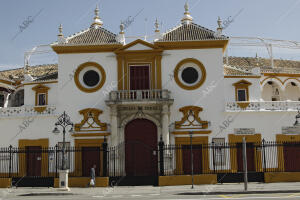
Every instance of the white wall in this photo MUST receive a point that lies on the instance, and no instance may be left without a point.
(70, 98)
(210, 96)
(254, 89)
(29, 94)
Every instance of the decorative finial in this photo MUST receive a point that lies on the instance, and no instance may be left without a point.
(156, 25)
(218, 33)
(122, 28)
(97, 11)
(186, 7)
(121, 37)
(219, 22)
(187, 18)
(60, 36)
(60, 29)
(97, 21)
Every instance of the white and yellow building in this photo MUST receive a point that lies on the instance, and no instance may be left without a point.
(142, 91)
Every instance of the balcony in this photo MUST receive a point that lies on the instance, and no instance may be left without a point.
(264, 106)
(24, 111)
(139, 96)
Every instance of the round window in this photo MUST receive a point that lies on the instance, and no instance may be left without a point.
(189, 75)
(91, 78)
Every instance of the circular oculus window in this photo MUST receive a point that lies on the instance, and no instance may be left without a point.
(89, 77)
(189, 74)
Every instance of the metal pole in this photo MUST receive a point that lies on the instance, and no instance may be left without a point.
(245, 164)
(264, 153)
(192, 159)
(10, 159)
(56, 160)
(214, 161)
(63, 149)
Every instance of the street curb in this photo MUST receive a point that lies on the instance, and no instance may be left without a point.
(46, 194)
(240, 192)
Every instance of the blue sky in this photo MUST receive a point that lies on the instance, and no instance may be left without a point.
(277, 19)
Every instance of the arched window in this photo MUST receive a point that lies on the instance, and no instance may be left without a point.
(18, 99)
(2, 100)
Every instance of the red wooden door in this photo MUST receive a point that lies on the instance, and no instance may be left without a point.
(197, 159)
(139, 78)
(33, 160)
(140, 148)
(250, 157)
(90, 156)
(291, 152)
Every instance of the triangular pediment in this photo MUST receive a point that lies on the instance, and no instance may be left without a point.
(138, 45)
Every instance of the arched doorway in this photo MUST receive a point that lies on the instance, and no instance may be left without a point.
(140, 148)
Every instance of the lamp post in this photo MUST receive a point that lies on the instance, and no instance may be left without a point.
(192, 159)
(63, 121)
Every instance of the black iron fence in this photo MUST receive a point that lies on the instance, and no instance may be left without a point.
(228, 158)
(209, 158)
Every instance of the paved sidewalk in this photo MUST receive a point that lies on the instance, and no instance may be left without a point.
(228, 188)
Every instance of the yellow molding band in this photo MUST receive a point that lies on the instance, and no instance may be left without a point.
(188, 132)
(275, 177)
(187, 180)
(89, 134)
(229, 76)
(85, 48)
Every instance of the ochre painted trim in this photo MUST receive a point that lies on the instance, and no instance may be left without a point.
(83, 181)
(193, 44)
(85, 48)
(5, 182)
(56, 182)
(187, 141)
(287, 138)
(23, 143)
(89, 134)
(200, 66)
(234, 139)
(40, 89)
(36, 83)
(290, 79)
(242, 84)
(40, 108)
(270, 77)
(120, 73)
(126, 58)
(138, 41)
(83, 88)
(187, 180)
(184, 123)
(188, 132)
(229, 76)
(87, 114)
(243, 104)
(275, 177)
(79, 143)
(7, 82)
(281, 74)
(40, 82)
(158, 72)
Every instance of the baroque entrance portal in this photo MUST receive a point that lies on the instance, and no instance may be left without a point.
(140, 148)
